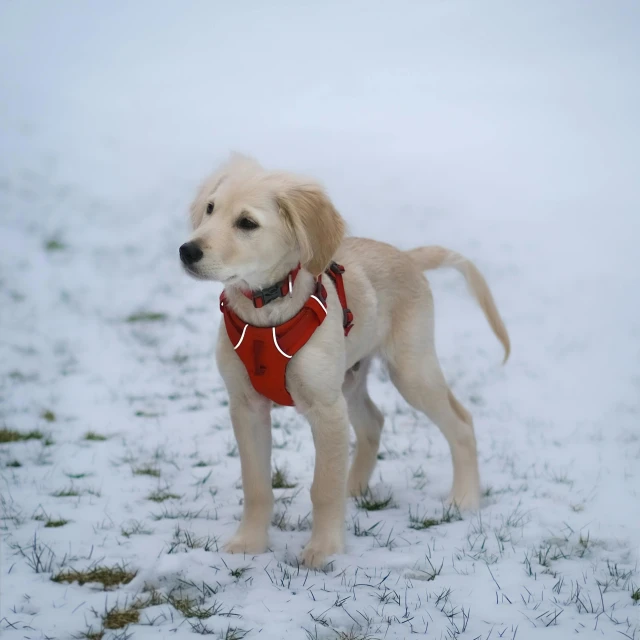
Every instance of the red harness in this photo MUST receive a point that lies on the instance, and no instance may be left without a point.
(266, 351)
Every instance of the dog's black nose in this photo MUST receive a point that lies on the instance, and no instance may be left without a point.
(190, 252)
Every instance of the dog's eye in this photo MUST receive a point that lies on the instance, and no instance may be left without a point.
(210, 208)
(246, 224)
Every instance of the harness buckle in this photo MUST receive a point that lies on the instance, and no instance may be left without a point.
(347, 319)
(265, 296)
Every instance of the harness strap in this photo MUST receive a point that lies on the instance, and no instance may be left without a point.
(335, 272)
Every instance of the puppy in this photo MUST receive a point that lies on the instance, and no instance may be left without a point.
(252, 227)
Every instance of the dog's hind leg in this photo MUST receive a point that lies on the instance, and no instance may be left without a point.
(367, 421)
(416, 373)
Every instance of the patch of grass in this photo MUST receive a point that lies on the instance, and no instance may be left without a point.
(283, 522)
(561, 477)
(361, 531)
(161, 496)
(419, 523)
(90, 634)
(353, 634)
(280, 479)
(432, 572)
(194, 607)
(619, 575)
(231, 633)
(14, 464)
(200, 607)
(583, 544)
(190, 608)
(239, 572)
(368, 501)
(18, 376)
(282, 444)
(171, 513)
(418, 474)
(10, 435)
(146, 316)
(77, 476)
(135, 528)
(287, 499)
(388, 596)
(147, 414)
(200, 482)
(38, 556)
(201, 628)
(72, 492)
(106, 576)
(635, 595)
(92, 436)
(69, 492)
(202, 463)
(146, 470)
(152, 598)
(54, 524)
(183, 539)
(119, 618)
(54, 244)
(450, 513)
(48, 415)
(388, 542)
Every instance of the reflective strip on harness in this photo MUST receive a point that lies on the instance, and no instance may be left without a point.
(275, 341)
(244, 331)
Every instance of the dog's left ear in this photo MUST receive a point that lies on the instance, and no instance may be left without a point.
(316, 225)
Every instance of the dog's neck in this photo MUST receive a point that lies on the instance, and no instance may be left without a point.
(278, 310)
(279, 289)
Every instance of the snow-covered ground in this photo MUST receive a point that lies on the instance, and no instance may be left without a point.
(508, 131)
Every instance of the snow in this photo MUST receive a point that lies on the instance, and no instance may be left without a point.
(507, 131)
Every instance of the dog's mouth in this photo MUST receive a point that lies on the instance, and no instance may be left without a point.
(193, 273)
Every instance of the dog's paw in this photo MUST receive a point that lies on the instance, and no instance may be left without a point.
(247, 542)
(357, 485)
(317, 552)
(468, 500)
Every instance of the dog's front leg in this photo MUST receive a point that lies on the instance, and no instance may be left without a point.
(251, 418)
(330, 427)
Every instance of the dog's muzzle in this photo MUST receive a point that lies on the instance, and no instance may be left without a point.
(190, 253)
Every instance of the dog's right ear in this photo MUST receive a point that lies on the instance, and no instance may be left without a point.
(316, 225)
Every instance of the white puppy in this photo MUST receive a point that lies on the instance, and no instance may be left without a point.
(252, 227)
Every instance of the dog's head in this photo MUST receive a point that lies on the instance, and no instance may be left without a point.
(252, 226)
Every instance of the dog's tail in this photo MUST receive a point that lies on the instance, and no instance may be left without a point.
(435, 257)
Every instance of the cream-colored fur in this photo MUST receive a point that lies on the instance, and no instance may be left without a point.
(393, 308)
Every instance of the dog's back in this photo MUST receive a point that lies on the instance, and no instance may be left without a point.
(397, 278)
